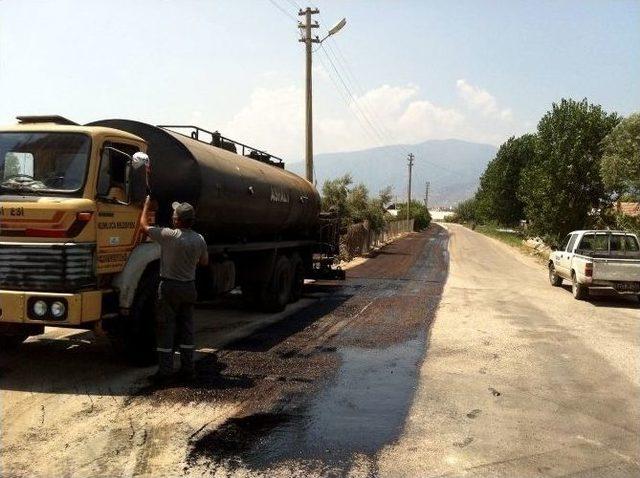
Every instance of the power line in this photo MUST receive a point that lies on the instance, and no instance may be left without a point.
(294, 4)
(283, 11)
(343, 95)
(355, 102)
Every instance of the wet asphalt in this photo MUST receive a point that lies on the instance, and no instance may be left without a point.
(360, 402)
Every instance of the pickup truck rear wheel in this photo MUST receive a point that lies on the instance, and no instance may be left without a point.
(554, 278)
(580, 292)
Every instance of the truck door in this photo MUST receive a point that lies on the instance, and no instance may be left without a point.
(118, 225)
(565, 255)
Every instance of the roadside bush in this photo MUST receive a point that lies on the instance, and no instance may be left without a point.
(354, 204)
(418, 212)
(467, 212)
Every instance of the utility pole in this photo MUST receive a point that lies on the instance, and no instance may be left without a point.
(426, 194)
(410, 160)
(308, 40)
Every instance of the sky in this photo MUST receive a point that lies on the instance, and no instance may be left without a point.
(398, 72)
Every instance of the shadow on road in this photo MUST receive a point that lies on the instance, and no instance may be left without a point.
(610, 299)
(76, 362)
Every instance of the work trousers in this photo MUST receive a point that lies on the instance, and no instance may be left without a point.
(175, 323)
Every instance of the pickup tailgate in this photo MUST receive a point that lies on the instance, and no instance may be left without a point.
(619, 270)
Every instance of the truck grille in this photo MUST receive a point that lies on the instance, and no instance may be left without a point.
(50, 267)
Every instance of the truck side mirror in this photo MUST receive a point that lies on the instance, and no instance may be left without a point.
(136, 183)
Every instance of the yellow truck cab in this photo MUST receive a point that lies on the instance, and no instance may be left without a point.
(70, 203)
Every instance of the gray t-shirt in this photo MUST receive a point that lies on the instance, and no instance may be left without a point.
(181, 251)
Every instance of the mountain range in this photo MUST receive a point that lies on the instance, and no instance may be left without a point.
(453, 168)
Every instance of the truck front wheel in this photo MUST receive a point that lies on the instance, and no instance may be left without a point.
(134, 337)
(580, 292)
(554, 278)
(10, 342)
(13, 334)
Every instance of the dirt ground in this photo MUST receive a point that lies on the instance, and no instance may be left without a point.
(445, 354)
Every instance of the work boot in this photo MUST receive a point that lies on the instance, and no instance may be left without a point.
(187, 366)
(165, 368)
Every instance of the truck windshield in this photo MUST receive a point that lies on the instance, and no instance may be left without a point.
(43, 162)
(609, 245)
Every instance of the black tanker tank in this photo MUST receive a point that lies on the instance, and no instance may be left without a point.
(237, 198)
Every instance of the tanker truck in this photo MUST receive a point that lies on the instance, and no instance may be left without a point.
(72, 253)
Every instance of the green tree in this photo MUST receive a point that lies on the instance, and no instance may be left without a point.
(357, 202)
(418, 212)
(562, 185)
(620, 166)
(353, 202)
(467, 211)
(335, 193)
(497, 198)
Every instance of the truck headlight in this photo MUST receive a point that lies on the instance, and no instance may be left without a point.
(58, 309)
(40, 308)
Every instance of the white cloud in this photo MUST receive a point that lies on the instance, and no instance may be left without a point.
(481, 100)
(273, 119)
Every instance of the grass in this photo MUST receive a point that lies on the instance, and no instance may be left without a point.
(512, 239)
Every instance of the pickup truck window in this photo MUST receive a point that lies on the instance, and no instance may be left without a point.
(572, 241)
(623, 243)
(609, 245)
(565, 243)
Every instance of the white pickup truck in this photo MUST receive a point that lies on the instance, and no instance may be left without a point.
(597, 261)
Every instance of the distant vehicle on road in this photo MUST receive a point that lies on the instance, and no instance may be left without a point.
(597, 260)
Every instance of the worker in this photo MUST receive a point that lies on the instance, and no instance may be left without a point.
(182, 250)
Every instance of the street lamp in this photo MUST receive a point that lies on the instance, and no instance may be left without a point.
(335, 29)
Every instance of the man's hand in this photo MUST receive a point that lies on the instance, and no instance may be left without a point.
(149, 205)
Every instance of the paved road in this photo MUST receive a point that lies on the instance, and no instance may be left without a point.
(519, 378)
(448, 354)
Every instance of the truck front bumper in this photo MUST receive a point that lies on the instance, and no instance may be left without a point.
(20, 307)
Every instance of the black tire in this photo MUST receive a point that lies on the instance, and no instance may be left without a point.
(12, 342)
(134, 337)
(579, 291)
(275, 296)
(554, 279)
(297, 283)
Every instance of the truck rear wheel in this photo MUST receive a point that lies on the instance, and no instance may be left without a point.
(277, 292)
(579, 291)
(297, 283)
(135, 335)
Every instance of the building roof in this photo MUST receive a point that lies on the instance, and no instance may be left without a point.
(629, 208)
